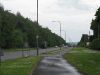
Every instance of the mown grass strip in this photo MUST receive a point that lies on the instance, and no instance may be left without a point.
(85, 60)
(22, 66)
(54, 52)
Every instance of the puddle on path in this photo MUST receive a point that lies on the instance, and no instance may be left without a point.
(55, 66)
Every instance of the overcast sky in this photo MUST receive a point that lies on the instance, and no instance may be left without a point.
(75, 15)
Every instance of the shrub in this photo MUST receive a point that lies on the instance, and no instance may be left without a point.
(95, 44)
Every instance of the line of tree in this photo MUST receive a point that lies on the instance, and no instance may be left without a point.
(95, 38)
(95, 26)
(17, 31)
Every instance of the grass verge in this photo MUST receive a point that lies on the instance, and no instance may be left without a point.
(51, 52)
(22, 66)
(54, 52)
(85, 60)
(18, 49)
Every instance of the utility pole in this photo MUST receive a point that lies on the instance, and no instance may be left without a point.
(37, 45)
(37, 12)
(37, 35)
(88, 40)
(1, 54)
(60, 33)
(65, 34)
(98, 31)
(89, 37)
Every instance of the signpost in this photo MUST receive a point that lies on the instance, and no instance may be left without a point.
(1, 54)
(27, 53)
(37, 45)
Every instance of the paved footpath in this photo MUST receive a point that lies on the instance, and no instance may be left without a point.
(55, 65)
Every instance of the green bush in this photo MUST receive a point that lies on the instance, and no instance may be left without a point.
(95, 44)
(82, 44)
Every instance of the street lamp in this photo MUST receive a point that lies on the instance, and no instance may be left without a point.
(37, 11)
(88, 42)
(65, 34)
(60, 30)
(1, 54)
(98, 31)
(37, 37)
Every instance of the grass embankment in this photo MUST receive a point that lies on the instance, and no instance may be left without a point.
(22, 66)
(85, 60)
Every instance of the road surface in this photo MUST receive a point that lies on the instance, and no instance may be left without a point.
(19, 54)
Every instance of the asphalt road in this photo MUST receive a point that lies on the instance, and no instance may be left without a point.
(19, 54)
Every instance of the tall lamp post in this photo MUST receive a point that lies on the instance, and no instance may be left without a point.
(37, 11)
(37, 37)
(65, 34)
(37, 24)
(88, 42)
(60, 30)
(98, 31)
(1, 54)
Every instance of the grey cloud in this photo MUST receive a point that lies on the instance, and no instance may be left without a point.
(69, 12)
(76, 4)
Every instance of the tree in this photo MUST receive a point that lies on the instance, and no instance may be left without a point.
(83, 41)
(15, 31)
(17, 39)
(95, 44)
(95, 24)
